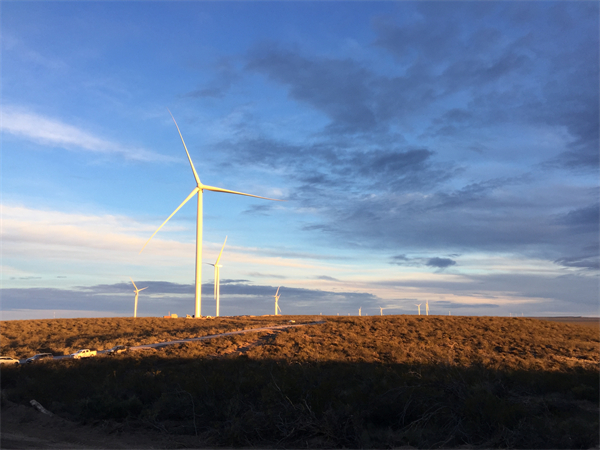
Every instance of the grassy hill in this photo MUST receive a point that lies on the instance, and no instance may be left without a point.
(357, 382)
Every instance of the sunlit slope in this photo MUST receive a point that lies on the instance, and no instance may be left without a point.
(491, 341)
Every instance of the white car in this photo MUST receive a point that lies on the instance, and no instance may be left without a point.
(9, 360)
(83, 353)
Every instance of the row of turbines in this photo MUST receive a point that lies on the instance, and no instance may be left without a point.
(217, 288)
(426, 307)
(199, 190)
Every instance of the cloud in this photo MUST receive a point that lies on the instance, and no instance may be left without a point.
(237, 297)
(459, 77)
(225, 76)
(326, 278)
(17, 47)
(55, 133)
(339, 88)
(437, 262)
(547, 292)
(589, 261)
(458, 305)
(441, 263)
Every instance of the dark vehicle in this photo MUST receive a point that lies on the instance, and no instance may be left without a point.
(117, 349)
(40, 357)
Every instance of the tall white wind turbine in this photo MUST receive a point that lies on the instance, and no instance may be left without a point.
(199, 189)
(419, 306)
(137, 291)
(426, 307)
(217, 266)
(380, 311)
(277, 301)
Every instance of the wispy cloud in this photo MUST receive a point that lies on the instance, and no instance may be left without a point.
(52, 132)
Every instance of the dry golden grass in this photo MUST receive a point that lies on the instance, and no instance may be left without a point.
(24, 338)
(351, 382)
(518, 343)
(492, 341)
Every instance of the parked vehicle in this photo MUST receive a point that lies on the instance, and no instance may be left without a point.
(40, 357)
(83, 353)
(9, 360)
(117, 349)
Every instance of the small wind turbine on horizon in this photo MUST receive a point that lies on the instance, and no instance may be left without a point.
(360, 311)
(217, 267)
(199, 189)
(426, 307)
(137, 291)
(419, 306)
(277, 301)
(380, 311)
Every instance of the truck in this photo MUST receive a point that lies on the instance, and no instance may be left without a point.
(84, 353)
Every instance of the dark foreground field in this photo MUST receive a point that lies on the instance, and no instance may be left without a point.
(354, 382)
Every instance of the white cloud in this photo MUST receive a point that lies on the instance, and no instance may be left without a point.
(96, 248)
(18, 47)
(55, 133)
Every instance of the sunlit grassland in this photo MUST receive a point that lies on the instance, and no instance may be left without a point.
(376, 382)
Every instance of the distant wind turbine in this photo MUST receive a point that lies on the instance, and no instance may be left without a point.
(380, 311)
(426, 307)
(419, 306)
(137, 291)
(360, 311)
(277, 301)
(199, 189)
(218, 266)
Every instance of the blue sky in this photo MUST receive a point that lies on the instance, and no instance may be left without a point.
(442, 152)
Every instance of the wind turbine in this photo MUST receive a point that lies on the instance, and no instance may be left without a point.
(217, 266)
(199, 189)
(419, 306)
(360, 311)
(277, 301)
(137, 291)
(426, 307)
(380, 311)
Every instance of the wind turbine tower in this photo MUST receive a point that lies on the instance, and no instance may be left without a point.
(426, 307)
(277, 301)
(217, 267)
(419, 306)
(199, 190)
(137, 291)
(380, 311)
(360, 311)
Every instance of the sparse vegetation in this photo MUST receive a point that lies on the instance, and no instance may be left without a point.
(355, 382)
(23, 338)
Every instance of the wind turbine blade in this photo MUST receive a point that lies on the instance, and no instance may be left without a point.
(227, 191)
(196, 189)
(186, 150)
(143, 288)
(277, 291)
(219, 258)
(133, 283)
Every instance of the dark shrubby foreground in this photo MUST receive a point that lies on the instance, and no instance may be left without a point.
(244, 402)
(352, 382)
